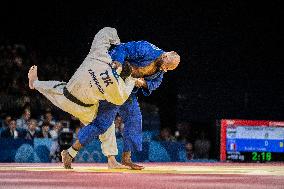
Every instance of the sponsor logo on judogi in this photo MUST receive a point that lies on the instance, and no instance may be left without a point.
(96, 81)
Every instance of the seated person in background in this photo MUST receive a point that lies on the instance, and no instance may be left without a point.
(48, 117)
(189, 151)
(165, 135)
(75, 133)
(22, 123)
(44, 132)
(42, 115)
(202, 146)
(55, 131)
(74, 123)
(119, 126)
(55, 148)
(32, 132)
(183, 132)
(5, 122)
(12, 131)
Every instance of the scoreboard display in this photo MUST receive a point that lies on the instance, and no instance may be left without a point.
(252, 141)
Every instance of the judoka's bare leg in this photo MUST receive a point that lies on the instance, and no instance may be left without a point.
(132, 133)
(69, 154)
(113, 164)
(109, 148)
(106, 115)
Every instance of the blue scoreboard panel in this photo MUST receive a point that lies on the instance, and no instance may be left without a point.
(249, 143)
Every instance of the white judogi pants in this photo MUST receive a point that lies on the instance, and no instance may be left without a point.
(55, 95)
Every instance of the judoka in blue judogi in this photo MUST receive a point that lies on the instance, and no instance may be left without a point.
(148, 62)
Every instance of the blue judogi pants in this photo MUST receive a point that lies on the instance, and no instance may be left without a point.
(132, 119)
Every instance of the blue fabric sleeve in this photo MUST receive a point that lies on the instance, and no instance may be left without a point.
(134, 51)
(152, 85)
(118, 53)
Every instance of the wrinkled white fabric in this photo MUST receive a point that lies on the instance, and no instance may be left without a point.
(94, 80)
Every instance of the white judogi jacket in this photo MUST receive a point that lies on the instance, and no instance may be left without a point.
(94, 80)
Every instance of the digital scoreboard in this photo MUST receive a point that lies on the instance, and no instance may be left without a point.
(252, 141)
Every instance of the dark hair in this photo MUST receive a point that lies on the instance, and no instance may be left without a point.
(126, 70)
(7, 115)
(12, 119)
(26, 109)
(46, 123)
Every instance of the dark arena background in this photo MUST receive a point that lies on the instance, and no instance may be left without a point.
(217, 121)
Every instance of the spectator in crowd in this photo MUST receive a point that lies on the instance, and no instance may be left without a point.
(44, 132)
(119, 126)
(42, 116)
(55, 148)
(22, 122)
(189, 151)
(55, 152)
(17, 58)
(74, 123)
(14, 87)
(183, 132)
(202, 146)
(75, 132)
(32, 132)
(12, 131)
(165, 135)
(49, 118)
(5, 122)
(55, 131)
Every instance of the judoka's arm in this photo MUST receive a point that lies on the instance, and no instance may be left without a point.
(104, 38)
(149, 85)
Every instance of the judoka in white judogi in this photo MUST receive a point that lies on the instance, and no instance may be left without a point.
(93, 81)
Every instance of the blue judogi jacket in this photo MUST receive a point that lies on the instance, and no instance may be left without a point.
(140, 54)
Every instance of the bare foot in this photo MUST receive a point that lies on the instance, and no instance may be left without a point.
(113, 164)
(32, 75)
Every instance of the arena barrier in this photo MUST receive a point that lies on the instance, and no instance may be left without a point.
(20, 150)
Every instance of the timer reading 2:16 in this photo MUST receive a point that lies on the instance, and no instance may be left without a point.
(263, 156)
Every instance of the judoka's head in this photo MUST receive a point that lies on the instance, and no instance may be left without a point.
(169, 61)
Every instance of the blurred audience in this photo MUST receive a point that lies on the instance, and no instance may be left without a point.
(22, 122)
(5, 121)
(202, 146)
(55, 131)
(12, 131)
(183, 132)
(31, 132)
(119, 126)
(165, 135)
(74, 123)
(55, 148)
(189, 151)
(47, 118)
(75, 132)
(44, 132)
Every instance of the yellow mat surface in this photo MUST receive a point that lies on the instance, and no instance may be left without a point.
(160, 169)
